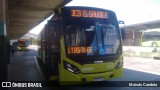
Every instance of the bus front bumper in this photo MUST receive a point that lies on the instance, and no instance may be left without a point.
(22, 48)
(82, 78)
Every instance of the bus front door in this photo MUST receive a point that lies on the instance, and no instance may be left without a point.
(53, 49)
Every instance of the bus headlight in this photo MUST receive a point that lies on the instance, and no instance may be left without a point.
(119, 64)
(71, 68)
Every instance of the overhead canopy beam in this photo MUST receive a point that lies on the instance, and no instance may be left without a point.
(26, 14)
(143, 26)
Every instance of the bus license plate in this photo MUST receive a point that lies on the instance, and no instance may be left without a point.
(98, 79)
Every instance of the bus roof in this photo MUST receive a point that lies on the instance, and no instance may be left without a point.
(22, 39)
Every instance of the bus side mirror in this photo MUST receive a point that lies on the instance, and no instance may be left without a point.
(122, 29)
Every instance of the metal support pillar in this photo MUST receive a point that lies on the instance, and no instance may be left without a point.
(133, 37)
(3, 42)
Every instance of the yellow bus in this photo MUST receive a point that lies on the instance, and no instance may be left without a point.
(81, 44)
(23, 44)
(151, 38)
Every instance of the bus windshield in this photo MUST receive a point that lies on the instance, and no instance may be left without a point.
(91, 35)
(23, 43)
(151, 36)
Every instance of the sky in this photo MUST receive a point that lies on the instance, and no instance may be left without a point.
(130, 11)
(36, 30)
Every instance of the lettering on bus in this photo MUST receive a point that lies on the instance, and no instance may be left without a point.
(88, 13)
(79, 50)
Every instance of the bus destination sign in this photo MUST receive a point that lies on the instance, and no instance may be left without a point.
(89, 13)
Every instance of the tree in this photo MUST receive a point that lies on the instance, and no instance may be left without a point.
(31, 40)
(35, 41)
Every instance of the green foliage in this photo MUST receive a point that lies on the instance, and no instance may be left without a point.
(33, 41)
(30, 40)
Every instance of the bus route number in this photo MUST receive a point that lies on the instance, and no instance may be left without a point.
(79, 50)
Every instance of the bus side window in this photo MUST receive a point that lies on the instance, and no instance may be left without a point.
(54, 42)
(55, 37)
